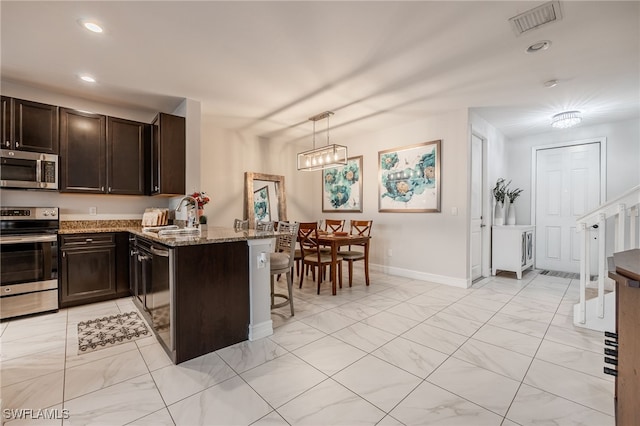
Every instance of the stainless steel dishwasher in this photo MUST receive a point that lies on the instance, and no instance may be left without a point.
(153, 287)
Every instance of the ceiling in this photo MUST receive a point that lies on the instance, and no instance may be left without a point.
(265, 67)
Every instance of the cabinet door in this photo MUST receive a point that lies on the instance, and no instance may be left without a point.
(35, 126)
(168, 155)
(83, 151)
(122, 263)
(5, 122)
(126, 151)
(87, 274)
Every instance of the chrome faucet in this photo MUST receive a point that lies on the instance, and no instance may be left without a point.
(191, 218)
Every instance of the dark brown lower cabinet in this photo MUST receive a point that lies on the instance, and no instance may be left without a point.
(93, 268)
(196, 297)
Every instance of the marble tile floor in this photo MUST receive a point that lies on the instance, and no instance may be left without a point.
(400, 352)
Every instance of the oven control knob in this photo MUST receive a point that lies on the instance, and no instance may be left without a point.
(46, 213)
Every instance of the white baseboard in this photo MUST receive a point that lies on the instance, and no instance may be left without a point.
(417, 275)
(260, 330)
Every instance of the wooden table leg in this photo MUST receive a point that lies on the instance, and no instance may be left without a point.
(366, 262)
(334, 265)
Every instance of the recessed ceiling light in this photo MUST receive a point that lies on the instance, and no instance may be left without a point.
(551, 83)
(87, 78)
(538, 46)
(91, 26)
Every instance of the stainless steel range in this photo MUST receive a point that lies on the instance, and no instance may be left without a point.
(28, 260)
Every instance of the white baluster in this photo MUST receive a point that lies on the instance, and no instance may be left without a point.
(621, 222)
(602, 257)
(584, 242)
(633, 230)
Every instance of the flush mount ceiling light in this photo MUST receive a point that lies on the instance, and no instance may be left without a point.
(329, 155)
(538, 46)
(87, 78)
(91, 26)
(566, 119)
(551, 83)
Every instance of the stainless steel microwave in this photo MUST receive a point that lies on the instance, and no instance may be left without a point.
(28, 170)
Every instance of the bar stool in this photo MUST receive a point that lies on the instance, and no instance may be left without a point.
(282, 262)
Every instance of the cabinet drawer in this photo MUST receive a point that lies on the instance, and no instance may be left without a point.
(83, 240)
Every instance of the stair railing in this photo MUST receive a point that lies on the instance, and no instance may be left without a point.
(619, 209)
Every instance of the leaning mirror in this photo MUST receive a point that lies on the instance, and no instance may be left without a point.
(264, 198)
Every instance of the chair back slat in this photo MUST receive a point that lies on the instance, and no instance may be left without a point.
(307, 231)
(239, 224)
(286, 241)
(334, 225)
(361, 227)
(264, 226)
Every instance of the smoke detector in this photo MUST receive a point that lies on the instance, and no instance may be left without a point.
(536, 17)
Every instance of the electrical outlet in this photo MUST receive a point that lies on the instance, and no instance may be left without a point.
(262, 260)
(93, 211)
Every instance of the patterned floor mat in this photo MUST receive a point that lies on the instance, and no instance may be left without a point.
(108, 331)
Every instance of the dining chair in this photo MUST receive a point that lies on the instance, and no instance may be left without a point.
(312, 256)
(298, 252)
(265, 226)
(331, 226)
(281, 261)
(362, 228)
(241, 225)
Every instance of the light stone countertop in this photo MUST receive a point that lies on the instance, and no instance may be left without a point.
(210, 235)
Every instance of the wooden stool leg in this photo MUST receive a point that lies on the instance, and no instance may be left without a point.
(290, 286)
(350, 272)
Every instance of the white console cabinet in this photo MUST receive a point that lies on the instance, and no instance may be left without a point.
(512, 248)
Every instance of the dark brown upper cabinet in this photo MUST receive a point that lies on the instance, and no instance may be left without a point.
(168, 145)
(103, 155)
(127, 149)
(83, 151)
(29, 126)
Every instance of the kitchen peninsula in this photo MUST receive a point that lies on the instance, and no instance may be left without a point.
(199, 293)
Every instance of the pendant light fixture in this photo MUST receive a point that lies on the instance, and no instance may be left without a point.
(566, 119)
(329, 155)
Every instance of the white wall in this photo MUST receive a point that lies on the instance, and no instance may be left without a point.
(430, 246)
(623, 158)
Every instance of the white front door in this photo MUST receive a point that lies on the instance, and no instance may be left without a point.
(567, 187)
(476, 206)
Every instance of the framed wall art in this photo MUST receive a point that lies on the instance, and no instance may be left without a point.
(342, 187)
(262, 205)
(409, 178)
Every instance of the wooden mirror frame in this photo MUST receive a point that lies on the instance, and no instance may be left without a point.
(249, 178)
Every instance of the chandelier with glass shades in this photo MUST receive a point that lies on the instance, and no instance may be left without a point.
(566, 119)
(329, 155)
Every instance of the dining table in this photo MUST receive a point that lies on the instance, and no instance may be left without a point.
(335, 242)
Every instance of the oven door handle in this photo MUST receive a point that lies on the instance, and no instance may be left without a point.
(27, 239)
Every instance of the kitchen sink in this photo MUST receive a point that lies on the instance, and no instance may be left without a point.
(180, 232)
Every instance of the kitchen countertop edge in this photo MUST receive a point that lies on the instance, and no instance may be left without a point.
(212, 235)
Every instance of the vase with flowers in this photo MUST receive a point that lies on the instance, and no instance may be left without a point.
(201, 199)
(512, 195)
(499, 195)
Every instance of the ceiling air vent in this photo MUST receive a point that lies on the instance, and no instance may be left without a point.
(536, 17)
